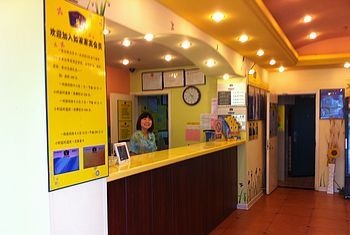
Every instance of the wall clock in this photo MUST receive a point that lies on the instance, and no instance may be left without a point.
(191, 95)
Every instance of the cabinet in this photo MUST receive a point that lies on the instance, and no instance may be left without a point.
(189, 197)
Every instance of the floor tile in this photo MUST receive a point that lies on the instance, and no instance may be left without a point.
(290, 211)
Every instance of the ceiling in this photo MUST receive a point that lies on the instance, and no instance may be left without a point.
(274, 26)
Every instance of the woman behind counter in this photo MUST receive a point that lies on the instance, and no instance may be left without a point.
(143, 139)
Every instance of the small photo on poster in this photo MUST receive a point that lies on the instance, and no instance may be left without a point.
(65, 161)
(94, 156)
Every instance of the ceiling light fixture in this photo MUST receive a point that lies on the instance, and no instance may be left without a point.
(260, 52)
(210, 62)
(148, 37)
(126, 42)
(243, 38)
(125, 61)
(272, 62)
(106, 31)
(307, 19)
(281, 69)
(313, 35)
(168, 57)
(226, 76)
(186, 44)
(251, 71)
(347, 65)
(218, 16)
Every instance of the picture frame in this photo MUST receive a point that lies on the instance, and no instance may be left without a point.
(122, 152)
(152, 81)
(332, 103)
(194, 77)
(174, 78)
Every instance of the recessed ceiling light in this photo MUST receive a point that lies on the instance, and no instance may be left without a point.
(307, 19)
(148, 37)
(218, 16)
(210, 62)
(313, 35)
(272, 62)
(168, 57)
(126, 42)
(125, 61)
(251, 71)
(106, 31)
(186, 44)
(347, 65)
(260, 52)
(226, 76)
(243, 38)
(281, 69)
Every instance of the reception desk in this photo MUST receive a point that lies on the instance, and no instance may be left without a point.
(184, 190)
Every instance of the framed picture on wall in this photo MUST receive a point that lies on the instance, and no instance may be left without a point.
(152, 81)
(194, 77)
(332, 103)
(173, 78)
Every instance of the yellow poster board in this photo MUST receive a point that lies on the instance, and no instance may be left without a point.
(124, 110)
(76, 95)
(124, 130)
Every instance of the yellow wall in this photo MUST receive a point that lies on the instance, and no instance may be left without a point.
(307, 80)
(182, 114)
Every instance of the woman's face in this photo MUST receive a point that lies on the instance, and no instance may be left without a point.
(146, 123)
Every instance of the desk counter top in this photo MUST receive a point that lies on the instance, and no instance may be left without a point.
(149, 161)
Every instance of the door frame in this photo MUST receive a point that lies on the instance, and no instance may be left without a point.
(151, 93)
(317, 114)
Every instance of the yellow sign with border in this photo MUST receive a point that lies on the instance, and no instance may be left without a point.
(76, 95)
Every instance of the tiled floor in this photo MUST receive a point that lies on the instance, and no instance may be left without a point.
(298, 182)
(291, 211)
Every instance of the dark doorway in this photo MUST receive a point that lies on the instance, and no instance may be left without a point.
(300, 141)
(302, 135)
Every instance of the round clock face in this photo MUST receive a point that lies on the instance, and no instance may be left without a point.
(191, 95)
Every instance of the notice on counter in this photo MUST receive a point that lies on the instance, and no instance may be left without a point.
(238, 94)
(76, 95)
(205, 121)
(232, 92)
(192, 132)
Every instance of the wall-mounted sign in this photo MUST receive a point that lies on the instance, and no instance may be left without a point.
(76, 95)
(124, 110)
(124, 120)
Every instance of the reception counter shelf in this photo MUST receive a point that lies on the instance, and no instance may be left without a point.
(145, 162)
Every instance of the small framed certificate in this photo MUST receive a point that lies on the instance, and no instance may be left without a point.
(152, 81)
(173, 78)
(122, 152)
(194, 77)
